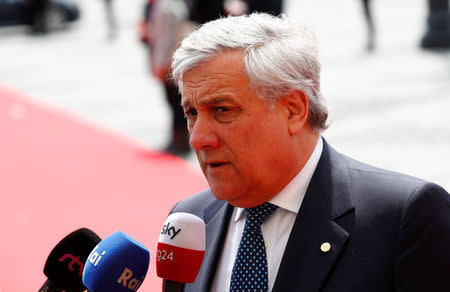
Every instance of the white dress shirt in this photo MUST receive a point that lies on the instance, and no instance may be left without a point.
(276, 229)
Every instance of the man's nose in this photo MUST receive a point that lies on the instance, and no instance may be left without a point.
(203, 135)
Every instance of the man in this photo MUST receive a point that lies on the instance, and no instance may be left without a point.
(285, 211)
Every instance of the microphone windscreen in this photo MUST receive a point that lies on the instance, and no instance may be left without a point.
(64, 265)
(181, 247)
(117, 263)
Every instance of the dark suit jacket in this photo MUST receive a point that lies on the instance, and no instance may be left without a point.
(388, 232)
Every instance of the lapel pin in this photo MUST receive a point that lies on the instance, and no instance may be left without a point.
(325, 247)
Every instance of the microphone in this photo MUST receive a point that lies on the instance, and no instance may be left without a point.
(180, 251)
(64, 265)
(118, 263)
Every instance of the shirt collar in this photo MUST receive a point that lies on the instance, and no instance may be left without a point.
(291, 196)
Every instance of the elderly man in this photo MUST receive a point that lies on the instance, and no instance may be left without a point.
(286, 212)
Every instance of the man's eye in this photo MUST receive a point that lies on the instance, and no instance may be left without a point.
(189, 113)
(225, 114)
(223, 109)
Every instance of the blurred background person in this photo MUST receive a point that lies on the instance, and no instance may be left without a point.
(437, 35)
(239, 7)
(273, 7)
(164, 25)
(161, 32)
(111, 19)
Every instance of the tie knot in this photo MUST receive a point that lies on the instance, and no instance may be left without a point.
(258, 214)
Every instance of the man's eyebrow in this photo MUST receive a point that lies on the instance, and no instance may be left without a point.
(185, 103)
(216, 100)
(208, 101)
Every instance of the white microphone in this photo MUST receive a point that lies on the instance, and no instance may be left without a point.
(181, 247)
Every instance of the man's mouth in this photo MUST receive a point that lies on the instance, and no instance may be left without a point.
(216, 164)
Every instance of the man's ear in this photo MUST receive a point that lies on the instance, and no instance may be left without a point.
(296, 102)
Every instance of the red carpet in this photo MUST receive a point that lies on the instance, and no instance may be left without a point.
(58, 174)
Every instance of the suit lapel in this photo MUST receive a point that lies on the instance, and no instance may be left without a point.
(306, 264)
(217, 217)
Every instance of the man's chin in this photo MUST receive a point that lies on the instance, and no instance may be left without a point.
(236, 200)
(220, 193)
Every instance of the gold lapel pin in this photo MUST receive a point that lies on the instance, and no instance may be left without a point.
(325, 247)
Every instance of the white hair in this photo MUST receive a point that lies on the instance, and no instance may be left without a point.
(279, 56)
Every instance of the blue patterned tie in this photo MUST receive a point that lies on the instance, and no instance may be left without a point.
(250, 267)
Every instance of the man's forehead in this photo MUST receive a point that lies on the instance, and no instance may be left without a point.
(206, 100)
(215, 80)
(229, 64)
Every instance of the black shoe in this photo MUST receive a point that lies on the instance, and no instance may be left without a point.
(436, 40)
(438, 34)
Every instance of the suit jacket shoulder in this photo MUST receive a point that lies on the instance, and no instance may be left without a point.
(195, 204)
(383, 228)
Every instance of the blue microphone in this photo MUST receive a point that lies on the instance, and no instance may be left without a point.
(118, 263)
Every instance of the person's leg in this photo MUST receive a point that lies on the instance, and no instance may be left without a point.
(370, 25)
(111, 21)
(39, 9)
(179, 144)
(438, 30)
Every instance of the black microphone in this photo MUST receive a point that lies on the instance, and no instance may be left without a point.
(65, 263)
